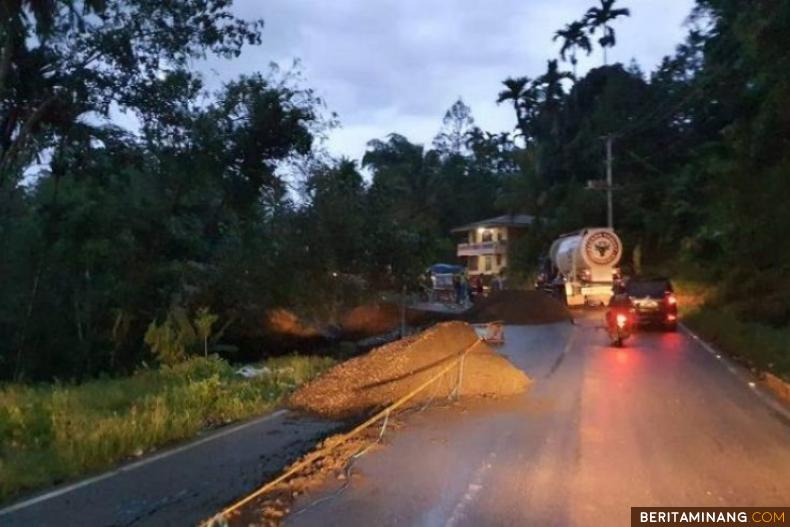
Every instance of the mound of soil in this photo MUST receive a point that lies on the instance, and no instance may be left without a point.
(287, 323)
(518, 307)
(370, 320)
(386, 374)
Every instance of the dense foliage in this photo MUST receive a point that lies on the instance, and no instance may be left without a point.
(217, 207)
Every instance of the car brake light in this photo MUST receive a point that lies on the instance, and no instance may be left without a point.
(621, 320)
(671, 317)
(671, 300)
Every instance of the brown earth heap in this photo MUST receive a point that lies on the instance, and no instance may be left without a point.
(371, 319)
(287, 323)
(518, 307)
(386, 374)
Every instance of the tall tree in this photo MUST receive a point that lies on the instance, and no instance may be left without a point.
(550, 86)
(521, 94)
(64, 59)
(600, 19)
(574, 38)
(336, 214)
(456, 126)
(406, 175)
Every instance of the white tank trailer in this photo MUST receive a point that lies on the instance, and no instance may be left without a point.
(587, 264)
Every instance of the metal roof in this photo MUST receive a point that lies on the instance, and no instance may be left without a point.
(507, 220)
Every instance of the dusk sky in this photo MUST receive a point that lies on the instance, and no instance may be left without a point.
(397, 65)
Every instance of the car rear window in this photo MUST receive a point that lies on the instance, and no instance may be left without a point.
(651, 288)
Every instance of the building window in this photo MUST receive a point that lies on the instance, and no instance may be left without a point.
(487, 236)
(501, 235)
(489, 261)
(472, 262)
(499, 260)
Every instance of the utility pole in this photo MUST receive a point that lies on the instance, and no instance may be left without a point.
(609, 202)
(608, 183)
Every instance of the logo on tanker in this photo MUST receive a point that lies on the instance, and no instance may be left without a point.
(602, 248)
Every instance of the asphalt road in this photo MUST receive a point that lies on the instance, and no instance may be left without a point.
(180, 486)
(661, 422)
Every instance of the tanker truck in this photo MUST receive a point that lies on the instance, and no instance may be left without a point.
(583, 266)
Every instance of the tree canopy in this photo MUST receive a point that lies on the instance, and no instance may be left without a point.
(221, 206)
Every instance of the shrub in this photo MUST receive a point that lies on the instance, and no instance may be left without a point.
(178, 336)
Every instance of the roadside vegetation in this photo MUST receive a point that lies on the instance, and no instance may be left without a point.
(754, 344)
(50, 433)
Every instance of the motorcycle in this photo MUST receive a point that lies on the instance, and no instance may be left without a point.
(620, 325)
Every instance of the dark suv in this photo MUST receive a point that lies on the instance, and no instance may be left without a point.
(654, 302)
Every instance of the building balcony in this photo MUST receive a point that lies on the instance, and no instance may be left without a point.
(482, 249)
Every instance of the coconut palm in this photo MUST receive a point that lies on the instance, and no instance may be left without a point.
(599, 18)
(573, 38)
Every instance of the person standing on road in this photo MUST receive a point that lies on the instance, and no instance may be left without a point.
(479, 286)
(464, 296)
(457, 287)
(498, 283)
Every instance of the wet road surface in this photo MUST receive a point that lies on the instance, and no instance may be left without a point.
(177, 487)
(660, 422)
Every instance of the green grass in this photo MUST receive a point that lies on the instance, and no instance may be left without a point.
(756, 345)
(51, 433)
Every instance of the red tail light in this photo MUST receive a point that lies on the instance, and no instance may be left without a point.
(671, 300)
(622, 320)
(671, 317)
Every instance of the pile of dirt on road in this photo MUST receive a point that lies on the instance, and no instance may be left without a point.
(382, 376)
(518, 307)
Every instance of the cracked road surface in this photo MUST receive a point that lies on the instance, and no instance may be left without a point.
(662, 421)
(176, 487)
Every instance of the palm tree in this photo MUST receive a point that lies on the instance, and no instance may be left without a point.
(600, 18)
(524, 98)
(549, 86)
(573, 39)
(550, 83)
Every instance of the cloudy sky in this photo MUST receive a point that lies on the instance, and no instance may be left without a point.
(397, 65)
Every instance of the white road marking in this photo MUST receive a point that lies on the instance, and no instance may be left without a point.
(137, 464)
(767, 399)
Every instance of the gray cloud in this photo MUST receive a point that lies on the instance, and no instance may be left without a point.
(396, 65)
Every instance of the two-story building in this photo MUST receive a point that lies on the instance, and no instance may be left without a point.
(484, 246)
